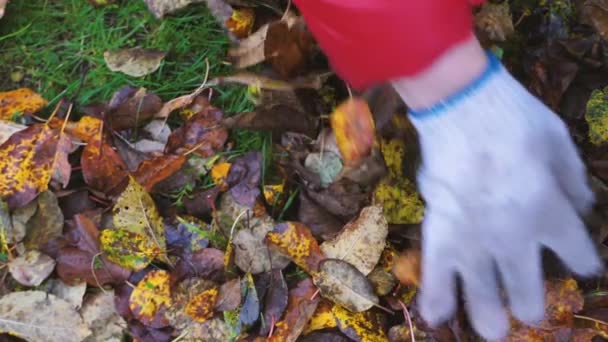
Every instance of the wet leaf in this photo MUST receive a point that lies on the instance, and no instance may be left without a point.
(202, 134)
(150, 299)
(81, 257)
(354, 128)
(19, 101)
(295, 240)
(206, 263)
(322, 224)
(152, 171)
(135, 211)
(62, 169)
(343, 198)
(229, 297)
(128, 249)
(343, 284)
(39, 316)
(300, 308)
(100, 316)
(397, 195)
(360, 326)
(361, 242)
(244, 178)
(31, 268)
(136, 62)
(46, 224)
(275, 301)
(200, 307)
(35, 146)
(102, 167)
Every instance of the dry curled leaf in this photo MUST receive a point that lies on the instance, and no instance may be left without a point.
(361, 242)
(343, 284)
(39, 316)
(136, 62)
(151, 298)
(19, 101)
(296, 241)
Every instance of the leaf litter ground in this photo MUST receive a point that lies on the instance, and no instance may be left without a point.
(185, 170)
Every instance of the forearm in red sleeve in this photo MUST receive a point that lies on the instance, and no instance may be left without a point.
(372, 41)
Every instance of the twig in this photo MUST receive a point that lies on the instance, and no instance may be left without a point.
(591, 319)
(406, 314)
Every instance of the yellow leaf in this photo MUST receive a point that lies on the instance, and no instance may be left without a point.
(23, 100)
(136, 212)
(296, 241)
(323, 318)
(241, 22)
(151, 298)
(596, 116)
(398, 196)
(127, 249)
(272, 193)
(84, 129)
(354, 128)
(200, 307)
(219, 173)
(360, 326)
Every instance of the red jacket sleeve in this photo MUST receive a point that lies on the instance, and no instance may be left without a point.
(372, 41)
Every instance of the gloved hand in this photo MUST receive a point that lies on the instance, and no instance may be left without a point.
(502, 178)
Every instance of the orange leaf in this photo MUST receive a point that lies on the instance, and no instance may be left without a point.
(152, 171)
(241, 22)
(564, 298)
(354, 128)
(21, 100)
(26, 163)
(201, 306)
(85, 129)
(102, 167)
(295, 240)
(300, 309)
(407, 267)
(219, 174)
(151, 298)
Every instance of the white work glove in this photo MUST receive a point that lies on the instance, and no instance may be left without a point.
(502, 179)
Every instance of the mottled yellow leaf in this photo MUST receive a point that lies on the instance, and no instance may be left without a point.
(219, 173)
(127, 249)
(84, 129)
(296, 241)
(323, 318)
(151, 298)
(597, 116)
(272, 193)
(200, 307)
(22, 101)
(360, 326)
(241, 22)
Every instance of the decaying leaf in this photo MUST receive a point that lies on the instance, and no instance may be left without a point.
(397, 195)
(72, 294)
(47, 222)
(219, 174)
(250, 310)
(151, 298)
(39, 316)
(132, 107)
(361, 242)
(200, 307)
(597, 116)
(152, 171)
(19, 101)
(85, 129)
(183, 296)
(494, 22)
(300, 308)
(326, 164)
(102, 167)
(127, 249)
(295, 240)
(35, 146)
(597, 12)
(31, 268)
(100, 316)
(275, 301)
(360, 326)
(229, 297)
(322, 224)
(354, 128)
(407, 267)
(136, 62)
(323, 318)
(343, 284)
(244, 178)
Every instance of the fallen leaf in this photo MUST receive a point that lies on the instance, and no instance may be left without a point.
(359, 326)
(219, 174)
(229, 297)
(100, 316)
(241, 22)
(160, 8)
(62, 169)
(296, 241)
(322, 336)
(250, 310)
(262, 82)
(597, 12)
(72, 294)
(152, 171)
(177, 314)
(343, 198)
(326, 164)
(132, 107)
(18, 228)
(206, 263)
(407, 267)
(200, 307)
(35, 146)
(19, 101)
(596, 116)
(275, 301)
(276, 117)
(323, 318)
(151, 298)
(31, 268)
(136, 62)
(8, 128)
(46, 224)
(354, 128)
(128, 249)
(494, 22)
(300, 308)
(102, 167)
(81, 257)
(39, 316)
(85, 129)
(322, 224)
(397, 194)
(244, 178)
(361, 242)
(343, 284)
(382, 277)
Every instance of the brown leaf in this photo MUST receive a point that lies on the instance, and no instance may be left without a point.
(275, 301)
(206, 263)
(322, 224)
(31, 268)
(295, 240)
(241, 22)
(597, 13)
(342, 198)
(99, 314)
(36, 147)
(85, 129)
(102, 168)
(343, 284)
(136, 62)
(321, 336)
(62, 169)
(277, 118)
(300, 309)
(155, 170)
(229, 297)
(23, 101)
(407, 267)
(361, 242)
(132, 107)
(494, 22)
(201, 133)
(46, 224)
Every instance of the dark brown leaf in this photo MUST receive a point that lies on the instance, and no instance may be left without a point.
(275, 301)
(244, 178)
(300, 308)
(207, 263)
(131, 107)
(102, 168)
